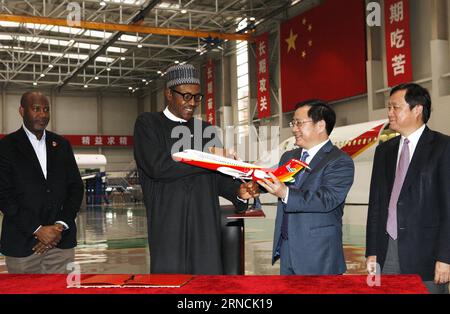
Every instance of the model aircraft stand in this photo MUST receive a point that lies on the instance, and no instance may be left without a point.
(233, 238)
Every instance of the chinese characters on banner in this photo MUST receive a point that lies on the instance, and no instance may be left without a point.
(398, 45)
(262, 69)
(210, 106)
(100, 140)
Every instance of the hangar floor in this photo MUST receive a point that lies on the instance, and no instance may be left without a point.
(113, 239)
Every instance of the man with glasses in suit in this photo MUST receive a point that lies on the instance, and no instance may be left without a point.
(408, 222)
(308, 225)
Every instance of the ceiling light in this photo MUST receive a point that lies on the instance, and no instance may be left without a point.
(183, 11)
(96, 77)
(252, 19)
(102, 3)
(85, 86)
(122, 58)
(146, 83)
(198, 50)
(144, 80)
(176, 61)
(50, 66)
(34, 83)
(159, 72)
(71, 31)
(42, 74)
(108, 69)
(130, 88)
(139, 45)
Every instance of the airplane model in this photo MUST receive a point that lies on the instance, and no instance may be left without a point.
(239, 169)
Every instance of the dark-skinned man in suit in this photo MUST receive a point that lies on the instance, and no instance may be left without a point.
(40, 193)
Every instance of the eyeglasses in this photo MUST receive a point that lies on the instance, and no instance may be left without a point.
(393, 107)
(298, 123)
(188, 96)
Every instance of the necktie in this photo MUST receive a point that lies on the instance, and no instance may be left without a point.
(400, 175)
(284, 224)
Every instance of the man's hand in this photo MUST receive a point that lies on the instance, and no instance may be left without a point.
(41, 248)
(371, 264)
(248, 190)
(49, 235)
(275, 187)
(441, 273)
(59, 226)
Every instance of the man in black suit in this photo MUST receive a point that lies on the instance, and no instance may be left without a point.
(408, 223)
(40, 193)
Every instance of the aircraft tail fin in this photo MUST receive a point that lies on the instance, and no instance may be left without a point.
(286, 172)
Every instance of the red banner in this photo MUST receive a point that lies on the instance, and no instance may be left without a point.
(98, 140)
(398, 43)
(323, 53)
(262, 73)
(210, 106)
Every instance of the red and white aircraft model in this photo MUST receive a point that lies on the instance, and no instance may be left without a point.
(239, 169)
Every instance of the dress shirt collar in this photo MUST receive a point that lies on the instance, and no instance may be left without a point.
(314, 150)
(415, 136)
(33, 137)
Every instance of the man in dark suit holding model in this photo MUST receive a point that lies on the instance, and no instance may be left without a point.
(308, 226)
(408, 223)
(40, 193)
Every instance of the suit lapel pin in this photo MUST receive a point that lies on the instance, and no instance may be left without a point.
(54, 144)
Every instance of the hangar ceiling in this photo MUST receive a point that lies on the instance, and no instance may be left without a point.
(63, 57)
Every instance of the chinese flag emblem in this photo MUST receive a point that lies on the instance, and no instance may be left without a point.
(323, 53)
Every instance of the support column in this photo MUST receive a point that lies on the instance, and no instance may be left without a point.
(226, 111)
(439, 21)
(141, 104)
(440, 66)
(3, 112)
(53, 111)
(374, 69)
(280, 106)
(100, 118)
(154, 101)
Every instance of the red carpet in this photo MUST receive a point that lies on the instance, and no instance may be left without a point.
(348, 284)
